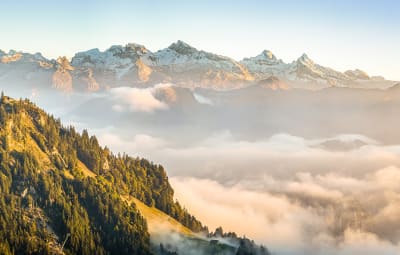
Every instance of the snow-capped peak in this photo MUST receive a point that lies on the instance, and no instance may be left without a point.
(19, 56)
(305, 60)
(182, 53)
(115, 58)
(265, 57)
(264, 65)
(268, 54)
(137, 48)
(131, 50)
(182, 48)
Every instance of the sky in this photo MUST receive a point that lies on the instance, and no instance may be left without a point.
(341, 34)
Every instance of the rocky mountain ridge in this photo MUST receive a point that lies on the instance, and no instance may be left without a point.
(133, 65)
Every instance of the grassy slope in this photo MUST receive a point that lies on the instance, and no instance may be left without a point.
(158, 221)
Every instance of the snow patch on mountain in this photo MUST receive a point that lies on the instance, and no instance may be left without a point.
(180, 57)
(264, 65)
(202, 99)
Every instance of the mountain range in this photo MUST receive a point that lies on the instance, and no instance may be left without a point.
(133, 65)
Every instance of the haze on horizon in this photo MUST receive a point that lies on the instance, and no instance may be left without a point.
(333, 33)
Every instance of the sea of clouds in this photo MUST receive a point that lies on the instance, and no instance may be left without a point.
(335, 195)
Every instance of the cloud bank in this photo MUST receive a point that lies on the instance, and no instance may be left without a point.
(305, 216)
(336, 195)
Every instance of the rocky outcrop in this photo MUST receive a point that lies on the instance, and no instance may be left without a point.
(62, 78)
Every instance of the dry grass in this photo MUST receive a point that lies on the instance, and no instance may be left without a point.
(159, 221)
(85, 170)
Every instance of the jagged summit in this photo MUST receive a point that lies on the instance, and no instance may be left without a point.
(268, 54)
(357, 74)
(267, 57)
(182, 48)
(305, 69)
(305, 60)
(20, 56)
(264, 65)
(180, 43)
(138, 48)
(123, 65)
(129, 50)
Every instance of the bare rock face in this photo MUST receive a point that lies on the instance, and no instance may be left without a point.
(91, 83)
(143, 71)
(357, 74)
(189, 67)
(64, 64)
(273, 83)
(11, 58)
(166, 94)
(62, 78)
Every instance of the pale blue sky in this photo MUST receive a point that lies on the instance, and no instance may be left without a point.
(343, 34)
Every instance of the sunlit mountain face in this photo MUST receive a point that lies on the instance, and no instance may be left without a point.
(180, 64)
(172, 128)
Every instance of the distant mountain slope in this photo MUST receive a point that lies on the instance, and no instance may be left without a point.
(189, 67)
(305, 73)
(135, 65)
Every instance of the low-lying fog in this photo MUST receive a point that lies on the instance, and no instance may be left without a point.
(337, 195)
(302, 172)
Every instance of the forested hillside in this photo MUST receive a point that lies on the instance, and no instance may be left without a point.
(62, 193)
(46, 196)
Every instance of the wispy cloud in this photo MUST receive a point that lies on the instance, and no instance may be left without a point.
(136, 99)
